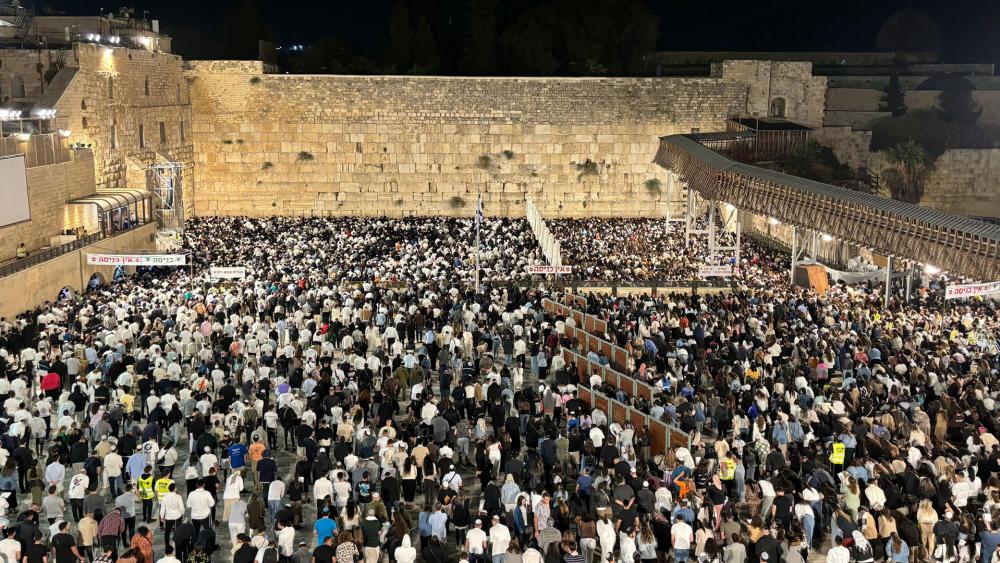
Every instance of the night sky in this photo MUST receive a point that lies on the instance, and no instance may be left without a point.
(970, 29)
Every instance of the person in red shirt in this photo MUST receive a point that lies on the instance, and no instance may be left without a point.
(51, 385)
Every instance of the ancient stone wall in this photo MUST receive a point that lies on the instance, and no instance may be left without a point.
(36, 285)
(118, 94)
(397, 145)
(966, 182)
(803, 94)
(49, 188)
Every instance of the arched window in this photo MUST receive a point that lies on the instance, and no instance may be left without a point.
(777, 107)
(17, 89)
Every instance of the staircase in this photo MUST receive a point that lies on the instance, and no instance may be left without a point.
(18, 15)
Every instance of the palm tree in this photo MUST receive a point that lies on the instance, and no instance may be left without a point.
(909, 166)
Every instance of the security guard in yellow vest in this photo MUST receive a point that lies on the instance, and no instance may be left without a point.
(837, 455)
(147, 494)
(727, 469)
(163, 486)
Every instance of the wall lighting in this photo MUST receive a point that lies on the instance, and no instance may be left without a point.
(773, 221)
(932, 270)
(24, 136)
(826, 237)
(65, 133)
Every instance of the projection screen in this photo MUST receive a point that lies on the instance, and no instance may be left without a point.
(13, 191)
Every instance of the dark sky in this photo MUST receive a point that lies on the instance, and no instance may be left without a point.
(970, 28)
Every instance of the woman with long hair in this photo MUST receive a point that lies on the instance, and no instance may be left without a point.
(646, 543)
(350, 517)
(430, 470)
(896, 549)
(408, 479)
(513, 554)
(926, 518)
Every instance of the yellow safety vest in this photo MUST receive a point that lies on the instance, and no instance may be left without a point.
(727, 470)
(146, 488)
(163, 487)
(837, 457)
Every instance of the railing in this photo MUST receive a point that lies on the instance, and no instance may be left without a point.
(662, 436)
(17, 265)
(38, 150)
(618, 358)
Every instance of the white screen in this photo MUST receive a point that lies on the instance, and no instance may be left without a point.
(13, 191)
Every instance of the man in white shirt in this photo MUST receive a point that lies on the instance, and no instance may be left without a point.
(475, 543)
(231, 494)
(113, 464)
(838, 553)
(168, 555)
(275, 492)
(171, 510)
(499, 540)
(286, 541)
(10, 549)
(200, 502)
(77, 490)
(208, 461)
(681, 536)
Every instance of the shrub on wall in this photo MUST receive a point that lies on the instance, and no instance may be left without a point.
(484, 161)
(305, 156)
(255, 80)
(456, 202)
(266, 166)
(508, 154)
(654, 187)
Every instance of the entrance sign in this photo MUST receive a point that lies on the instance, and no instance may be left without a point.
(218, 273)
(550, 270)
(137, 259)
(971, 290)
(706, 271)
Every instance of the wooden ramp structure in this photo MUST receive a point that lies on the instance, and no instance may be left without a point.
(956, 244)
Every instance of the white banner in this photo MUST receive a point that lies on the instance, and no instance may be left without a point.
(137, 259)
(706, 271)
(971, 290)
(227, 273)
(550, 269)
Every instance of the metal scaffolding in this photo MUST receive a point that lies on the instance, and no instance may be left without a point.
(165, 183)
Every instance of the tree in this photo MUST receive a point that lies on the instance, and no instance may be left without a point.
(479, 52)
(909, 166)
(399, 53)
(581, 37)
(957, 106)
(425, 52)
(893, 99)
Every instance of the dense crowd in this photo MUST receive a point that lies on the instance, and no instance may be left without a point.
(634, 250)
(319, 411)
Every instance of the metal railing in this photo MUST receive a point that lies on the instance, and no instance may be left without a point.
(38, 149)
(37, 258)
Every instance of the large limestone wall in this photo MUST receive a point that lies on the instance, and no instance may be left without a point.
(49, 188)
(114, 92)
(966, 182)
(36, 285)
(396, 145)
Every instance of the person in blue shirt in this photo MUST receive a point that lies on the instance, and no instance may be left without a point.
(325, 527)
(237, 456)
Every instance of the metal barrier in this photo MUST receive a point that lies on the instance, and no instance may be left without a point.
(662, 436)
(617, 356)
(48, 254)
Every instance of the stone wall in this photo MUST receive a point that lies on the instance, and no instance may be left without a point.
(850, 146)
(966, 182)
(766, 81)
(118, 92)
(396, 145)
(24, 71)
(49, 188)
(36, 285)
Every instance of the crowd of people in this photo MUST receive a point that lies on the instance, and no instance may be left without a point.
(354, 398)
(635, 250)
